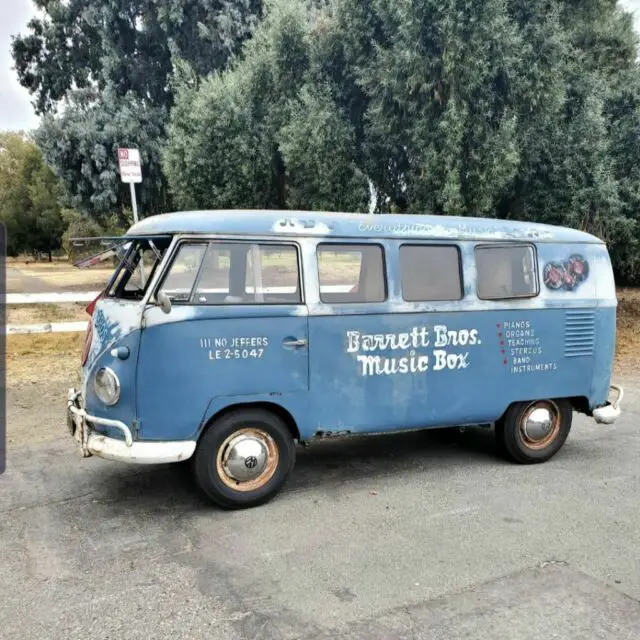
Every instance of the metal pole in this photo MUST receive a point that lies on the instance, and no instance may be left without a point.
(134, 204)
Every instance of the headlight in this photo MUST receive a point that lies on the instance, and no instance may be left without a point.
(107, 386)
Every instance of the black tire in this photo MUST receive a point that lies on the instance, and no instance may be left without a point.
(209, 470)
(511, 432)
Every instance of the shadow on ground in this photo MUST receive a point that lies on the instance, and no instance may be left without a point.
(327, 464)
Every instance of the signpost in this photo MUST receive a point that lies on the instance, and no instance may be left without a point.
(131, 172)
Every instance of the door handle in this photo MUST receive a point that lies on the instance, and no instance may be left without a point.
(294, 342)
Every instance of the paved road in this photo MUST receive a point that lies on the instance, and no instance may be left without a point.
(412, 536)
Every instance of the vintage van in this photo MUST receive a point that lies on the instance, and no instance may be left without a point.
(226, 337)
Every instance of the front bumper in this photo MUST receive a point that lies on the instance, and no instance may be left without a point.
(127, 450)
(610, 412)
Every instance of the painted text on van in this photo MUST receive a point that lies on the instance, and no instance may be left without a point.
(367, 349)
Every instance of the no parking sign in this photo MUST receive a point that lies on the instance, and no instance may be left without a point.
(130, 167)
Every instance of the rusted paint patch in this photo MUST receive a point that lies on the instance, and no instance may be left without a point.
(331, 434)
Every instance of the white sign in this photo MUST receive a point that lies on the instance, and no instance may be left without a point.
(130, 168)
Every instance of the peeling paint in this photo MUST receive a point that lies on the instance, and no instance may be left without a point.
(312, 223)
(112, 320)
(295, 225)
(458, 231)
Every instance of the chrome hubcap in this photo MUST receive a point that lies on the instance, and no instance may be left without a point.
(540, 424)
(245, 458)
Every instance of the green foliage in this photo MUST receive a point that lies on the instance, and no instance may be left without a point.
(29, 198)
(129, 46)
(265, 134)
(109, 64)
(316, 146)
(81, 145)
(525, 109)
(78, 226)
(213, 169)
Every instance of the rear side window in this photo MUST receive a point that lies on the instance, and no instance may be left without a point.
(349, 273)
(506, 272)
(430, 273)
(249, 273)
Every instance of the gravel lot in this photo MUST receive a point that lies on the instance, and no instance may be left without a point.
(406, 536)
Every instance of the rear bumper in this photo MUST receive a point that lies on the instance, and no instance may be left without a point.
(610, 412)
(127, 450)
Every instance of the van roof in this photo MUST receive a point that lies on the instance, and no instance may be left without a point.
(352, 225)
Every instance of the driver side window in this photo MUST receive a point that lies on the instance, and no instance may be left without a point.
(179, 281)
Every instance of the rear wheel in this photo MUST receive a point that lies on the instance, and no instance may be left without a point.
(244, 458)
(532, 432)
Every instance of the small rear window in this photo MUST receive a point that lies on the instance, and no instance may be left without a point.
(507, 271)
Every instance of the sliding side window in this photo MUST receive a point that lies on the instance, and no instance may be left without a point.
(350, 273)
(430, 273)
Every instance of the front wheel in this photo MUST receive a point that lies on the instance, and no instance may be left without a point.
(244, 458)
(531, 432)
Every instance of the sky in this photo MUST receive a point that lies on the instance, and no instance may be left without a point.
(15, 103)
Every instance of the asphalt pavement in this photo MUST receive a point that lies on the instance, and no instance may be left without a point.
(407, 536)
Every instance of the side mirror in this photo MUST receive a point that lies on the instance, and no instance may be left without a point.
(163, 301)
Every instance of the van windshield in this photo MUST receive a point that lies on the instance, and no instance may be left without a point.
(139, 261)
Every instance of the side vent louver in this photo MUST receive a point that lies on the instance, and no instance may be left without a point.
(579, 333)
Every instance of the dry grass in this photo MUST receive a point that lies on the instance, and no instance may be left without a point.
(628, 338)
(38, 269)
(40, 313)
(54, 276)
(43, 357)
(74, 277)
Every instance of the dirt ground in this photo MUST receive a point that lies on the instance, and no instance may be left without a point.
(59, 275)
(40, 369)
(628, 338)
(20, 314)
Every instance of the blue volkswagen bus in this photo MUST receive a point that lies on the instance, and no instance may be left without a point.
(227, 337)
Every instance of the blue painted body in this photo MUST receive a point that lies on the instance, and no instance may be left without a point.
(440, 364)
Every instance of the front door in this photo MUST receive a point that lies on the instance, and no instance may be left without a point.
(236, 331)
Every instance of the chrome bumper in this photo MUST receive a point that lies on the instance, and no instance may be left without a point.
(610, 412)
(91, 443)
